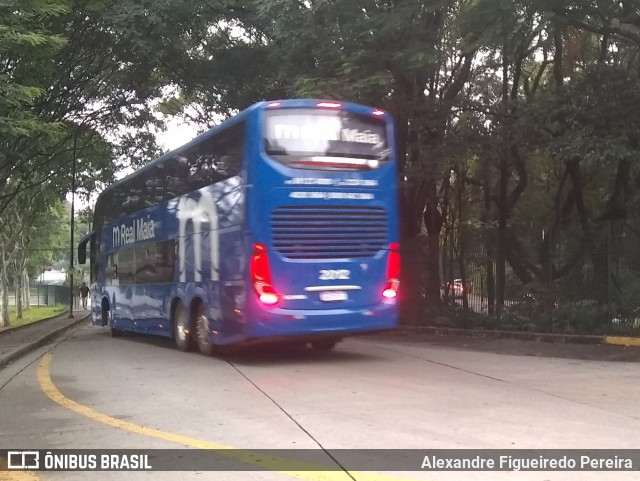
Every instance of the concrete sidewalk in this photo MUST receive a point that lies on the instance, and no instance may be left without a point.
(17, 341)
(502, 343)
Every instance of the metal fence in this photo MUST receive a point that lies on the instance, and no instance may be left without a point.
(49, 287)
(563, 282)
(45, 295)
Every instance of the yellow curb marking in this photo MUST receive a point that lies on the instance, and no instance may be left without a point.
(299, 470)
(622, 341)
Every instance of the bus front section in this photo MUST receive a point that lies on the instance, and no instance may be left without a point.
(323, 237)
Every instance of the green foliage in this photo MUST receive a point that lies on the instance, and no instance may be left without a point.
(49, 235)
(599, 125)
(627, 318)
(25, 45)
(582, 317)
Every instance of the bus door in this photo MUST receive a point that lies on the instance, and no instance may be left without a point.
(144, 316)
(232, 285)
(123, 299)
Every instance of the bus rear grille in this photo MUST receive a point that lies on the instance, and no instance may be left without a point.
(321, 232)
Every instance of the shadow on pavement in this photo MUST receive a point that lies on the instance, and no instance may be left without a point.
(254, 354)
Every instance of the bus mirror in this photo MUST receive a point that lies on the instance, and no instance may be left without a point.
(115, 271)
(82, 248)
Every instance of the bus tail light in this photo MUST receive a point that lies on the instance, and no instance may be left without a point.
(261, 275)
(329, 105)
(393, 272)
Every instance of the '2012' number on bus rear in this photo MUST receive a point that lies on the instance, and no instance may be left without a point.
(334, 274)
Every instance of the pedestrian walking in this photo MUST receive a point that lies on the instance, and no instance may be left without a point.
(84, 292)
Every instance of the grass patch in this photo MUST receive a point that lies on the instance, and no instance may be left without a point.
(34, 313)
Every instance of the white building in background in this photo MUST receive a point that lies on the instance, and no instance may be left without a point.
(53, 277)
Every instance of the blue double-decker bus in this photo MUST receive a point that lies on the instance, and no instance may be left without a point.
(278, 224)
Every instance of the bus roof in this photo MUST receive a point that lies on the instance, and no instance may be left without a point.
(265, 104)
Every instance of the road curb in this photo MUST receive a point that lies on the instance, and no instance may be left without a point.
(526, 336)
(21, 351)
(622, 341)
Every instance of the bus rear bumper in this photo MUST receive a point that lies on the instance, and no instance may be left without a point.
(322, 323)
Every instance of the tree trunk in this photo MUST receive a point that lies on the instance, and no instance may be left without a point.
(502, 240)
(414, 194)
(491, 282)
(19, 289)
(616, 208)
(27, 288)
(596, 247)
(446, 274)
(463, 268)
(503, 183)
(488, 239)
(412, 279)
(558, 68)
(412, 209)
(433, 222)
(19, 263)
(432, 284)
(462, 261)
(4, 289)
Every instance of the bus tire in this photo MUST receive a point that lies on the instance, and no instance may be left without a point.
(181, 332)
(107, 319)
(105, 312)
(202, 331)
(324, 344)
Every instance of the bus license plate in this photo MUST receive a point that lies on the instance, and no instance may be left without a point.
(332, 296)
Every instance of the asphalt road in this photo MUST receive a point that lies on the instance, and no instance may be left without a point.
(94, 392)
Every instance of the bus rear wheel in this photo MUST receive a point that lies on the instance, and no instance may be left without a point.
(181, 333)
(324, 344)
(107, 319)
(105, 313)
(202, 332)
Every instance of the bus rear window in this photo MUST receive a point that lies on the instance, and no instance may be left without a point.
(324, 139)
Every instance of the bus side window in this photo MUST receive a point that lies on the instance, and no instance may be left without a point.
(126, 266)
(217, 158)
(144, 267)
(165, 260)
(111, 272)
